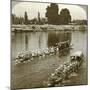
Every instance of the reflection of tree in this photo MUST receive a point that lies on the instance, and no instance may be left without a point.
(54, 38)
(40, 37)
(26, 42)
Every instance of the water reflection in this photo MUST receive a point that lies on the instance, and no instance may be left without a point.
(56, 37)
(43, 68)
(26, 42)
(36, 40)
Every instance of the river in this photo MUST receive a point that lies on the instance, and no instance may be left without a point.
(33, 74)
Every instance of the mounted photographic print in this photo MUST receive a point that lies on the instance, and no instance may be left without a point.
(48, 44)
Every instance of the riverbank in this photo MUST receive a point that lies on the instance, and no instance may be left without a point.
(46, 27)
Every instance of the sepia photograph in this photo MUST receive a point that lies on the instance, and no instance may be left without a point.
(49, 44)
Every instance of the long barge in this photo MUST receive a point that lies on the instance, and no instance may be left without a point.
(31, 55)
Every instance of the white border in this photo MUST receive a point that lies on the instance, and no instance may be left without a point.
(5, 44)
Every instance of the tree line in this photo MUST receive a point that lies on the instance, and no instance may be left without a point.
(26, 20)
(53, 16)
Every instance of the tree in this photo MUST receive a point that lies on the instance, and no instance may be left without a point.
(26, 17)
(52, 13)
(43, 20)
(80, 22)
(54, 18)
(13, 18)
(38, 17)
(65, 16)
(34, 21)
(17, 20)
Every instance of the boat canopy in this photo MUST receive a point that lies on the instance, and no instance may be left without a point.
(78, 53)
(68, 41)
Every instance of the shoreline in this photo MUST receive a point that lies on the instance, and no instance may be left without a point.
(45, 28)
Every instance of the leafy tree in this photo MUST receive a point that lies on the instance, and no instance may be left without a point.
(52, 13)
(34, 21)
(17, 20)
(43, 20)
(65, 16)
(54, 18)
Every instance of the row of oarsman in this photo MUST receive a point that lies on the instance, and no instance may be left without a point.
(30, 55)
(62, 73)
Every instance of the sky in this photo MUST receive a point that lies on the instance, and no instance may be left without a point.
(32, 9)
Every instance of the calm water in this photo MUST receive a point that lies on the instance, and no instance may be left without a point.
(36, 40)
(33, 74)
(39, 40)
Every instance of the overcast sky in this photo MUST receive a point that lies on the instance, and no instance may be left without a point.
(33, 8)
